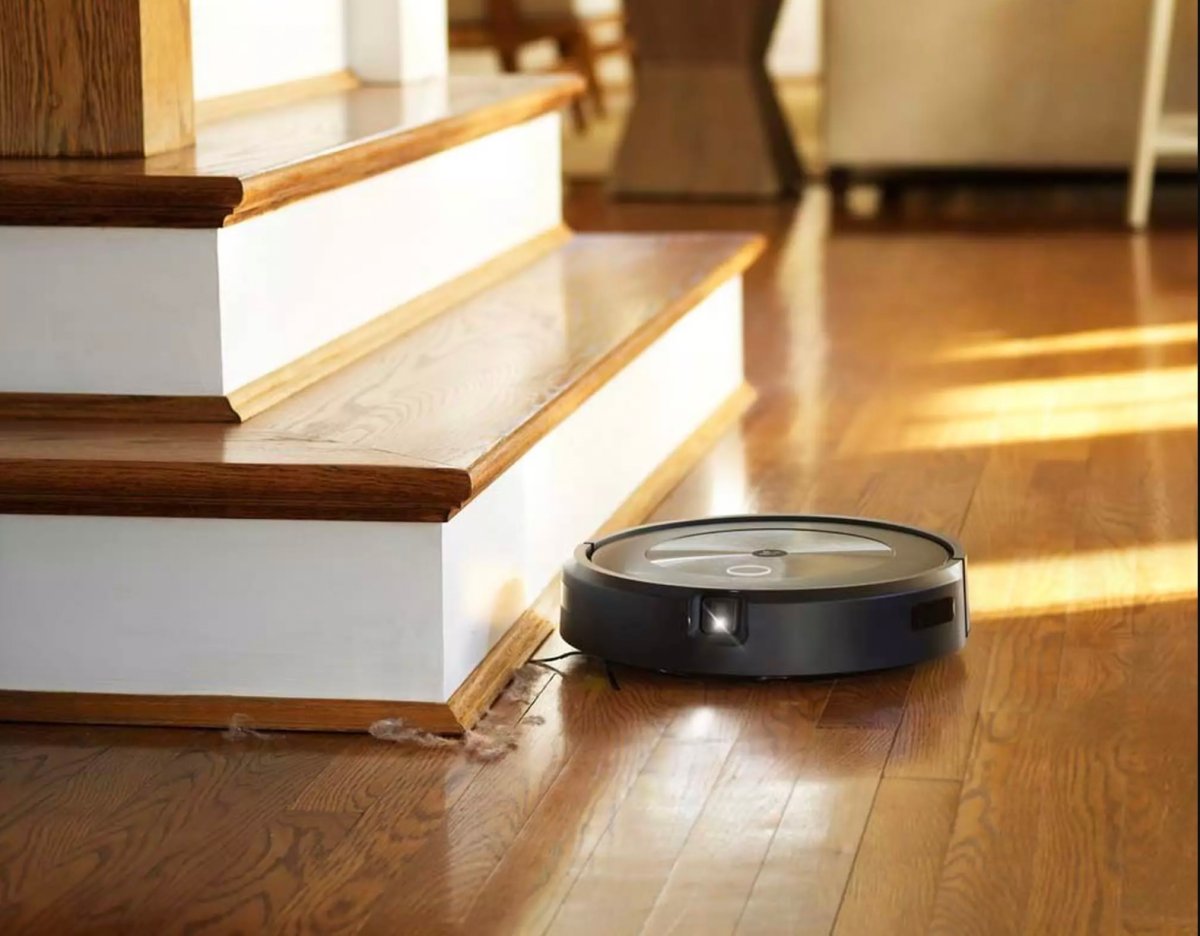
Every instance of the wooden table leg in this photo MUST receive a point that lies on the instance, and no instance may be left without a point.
(705, 121)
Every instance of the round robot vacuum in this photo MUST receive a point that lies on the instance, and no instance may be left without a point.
(767, 596)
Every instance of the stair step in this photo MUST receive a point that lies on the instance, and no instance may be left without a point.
(369, 546)
(412, 431)
(200, 276)
(247, 164)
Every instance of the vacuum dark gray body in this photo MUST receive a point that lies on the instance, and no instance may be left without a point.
(767, 596)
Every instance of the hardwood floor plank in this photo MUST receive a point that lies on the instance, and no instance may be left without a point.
(35, 840)
(899, 863)
(1160, 926)
(1027, 648)
(875, 700)
(635, 855)
(1133, 662)
(933, 741)
(1159, 858)
(936, 497)
(352, 782)
(1035, 846)
(351, 878)
(436, 888)
(1077, 861)
(985, 881)
(617, 737)
(33, 771)
(405, 800)
(1025, 666)
(276, 861)
(800, 884)
(1097, 657)
(155, 827)
(170, 848)
(712, 877)
(1124, 507)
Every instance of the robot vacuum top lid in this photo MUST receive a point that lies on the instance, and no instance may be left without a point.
(773, 553)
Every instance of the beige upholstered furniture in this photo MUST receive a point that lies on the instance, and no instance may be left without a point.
(993, 83)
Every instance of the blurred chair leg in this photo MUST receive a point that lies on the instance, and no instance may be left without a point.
(509, 62)
(579, 115)
(1141, 185)
(570, 59)
(587, 58)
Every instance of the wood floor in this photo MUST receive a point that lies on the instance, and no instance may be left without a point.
(1034, 394)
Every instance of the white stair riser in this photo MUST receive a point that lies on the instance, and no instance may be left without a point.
(343, 610)
(198, 607)
(205, 312)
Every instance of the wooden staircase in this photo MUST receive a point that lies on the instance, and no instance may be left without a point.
(297, 423)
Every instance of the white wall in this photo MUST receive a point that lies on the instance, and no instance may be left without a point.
(240, 45)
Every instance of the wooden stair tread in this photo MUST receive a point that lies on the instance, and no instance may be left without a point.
(412, 431)
(244, 165)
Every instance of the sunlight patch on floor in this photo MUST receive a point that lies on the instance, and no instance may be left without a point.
(1083, 407)
(1103, 339)
(1085, 580)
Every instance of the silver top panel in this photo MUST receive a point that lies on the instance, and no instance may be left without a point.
(772, 554)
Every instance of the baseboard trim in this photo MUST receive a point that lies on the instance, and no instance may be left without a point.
(480, 689)
(212, 110)
(202, 711)
(105, 407)
(460, 712)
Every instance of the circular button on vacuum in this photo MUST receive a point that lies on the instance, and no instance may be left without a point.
(813, 595)
(748, 570)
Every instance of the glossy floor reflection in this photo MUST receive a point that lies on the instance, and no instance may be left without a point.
(1033, 394)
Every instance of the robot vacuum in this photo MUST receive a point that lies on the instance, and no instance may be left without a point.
(767, 596)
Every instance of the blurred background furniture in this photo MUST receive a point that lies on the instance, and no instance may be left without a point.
(582, 30)
(705, 121)
(1008, 84)
(1160, 134)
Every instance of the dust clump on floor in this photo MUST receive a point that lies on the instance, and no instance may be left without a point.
(489, 746)
(491, 739)
(396, 729)
(239, 729)
(523, 688)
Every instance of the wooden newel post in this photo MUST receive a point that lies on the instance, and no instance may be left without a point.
(95, 77)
